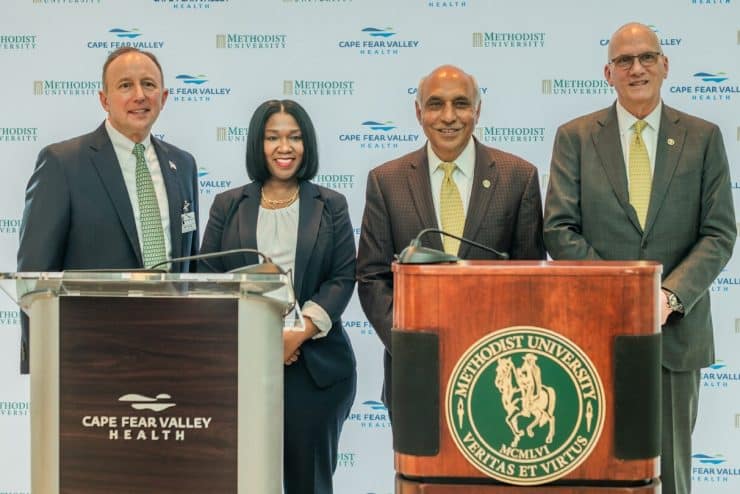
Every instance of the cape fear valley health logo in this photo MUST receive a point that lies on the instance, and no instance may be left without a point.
(711, 2)
(525, 405)
(158, 427)
(328, 87)
(196, 89)
(379, 41)
(19, 134)
(719, 375)
(712, 469)
(576, 87)
(378, 134)
(708, 87)
(60, 87)
(356, 326)
(125, 37)
(190, 4)
(210, 185)
(725, 282)
(498, 135)
(17, 42)
(664, 39)
(508, 39)
(251, 41)
(371, 414)
(446, 4)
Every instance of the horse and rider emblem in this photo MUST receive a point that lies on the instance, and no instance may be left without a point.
(525, 405)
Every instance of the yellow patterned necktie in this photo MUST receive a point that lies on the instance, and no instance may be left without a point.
(639, 173)
(451, 210)
(152, 233)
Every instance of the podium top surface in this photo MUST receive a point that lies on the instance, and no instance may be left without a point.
(533, 268)
(22, 286)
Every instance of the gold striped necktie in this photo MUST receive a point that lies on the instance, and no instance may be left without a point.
(152, 234)
(640, 175)
(451, 210)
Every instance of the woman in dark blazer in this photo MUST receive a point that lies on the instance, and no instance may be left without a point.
(306, 228)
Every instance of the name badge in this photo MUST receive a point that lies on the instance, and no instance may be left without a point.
(188, 222)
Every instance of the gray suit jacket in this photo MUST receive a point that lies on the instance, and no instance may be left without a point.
(690, 226)
(506, 216)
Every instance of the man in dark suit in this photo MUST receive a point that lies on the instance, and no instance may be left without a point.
(658, 190)
(494, 197)
(117, 197)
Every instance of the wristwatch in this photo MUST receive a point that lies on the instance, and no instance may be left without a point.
(673, 302)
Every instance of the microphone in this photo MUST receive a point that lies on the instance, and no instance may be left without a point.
(415, 253)
(265, 267)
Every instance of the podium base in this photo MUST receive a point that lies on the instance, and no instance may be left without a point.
(408, 486)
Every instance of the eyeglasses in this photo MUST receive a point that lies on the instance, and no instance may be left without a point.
(626, 61)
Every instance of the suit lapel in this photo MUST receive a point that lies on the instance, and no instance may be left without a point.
(174, 195)
(671, 138)
(609, 148)
(420, 189)
(246, 220)
(104, 160)
(309, 220)
(480, 195)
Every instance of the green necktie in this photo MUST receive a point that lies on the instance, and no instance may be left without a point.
(639, 173)
(152, 233)
(451, 210)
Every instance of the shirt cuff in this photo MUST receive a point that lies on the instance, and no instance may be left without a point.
(320, 318)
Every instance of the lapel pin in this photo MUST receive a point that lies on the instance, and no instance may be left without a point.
(172, 166)
(486, 184)
(670, 141)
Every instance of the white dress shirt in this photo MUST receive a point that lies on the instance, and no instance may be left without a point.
(277, 238)
(124, 149)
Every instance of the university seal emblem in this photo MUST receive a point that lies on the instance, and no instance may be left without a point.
(525, 405)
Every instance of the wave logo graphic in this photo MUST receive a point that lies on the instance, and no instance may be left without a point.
(384, 126)
(202, 172)
(709, 77)
(192, 79)
(125, 33)
(142, 402)
(375, 32)
(718, 365)
(709, 459)
(375, 405)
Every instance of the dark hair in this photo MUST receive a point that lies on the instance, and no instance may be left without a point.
(130, 49)
(256, 163)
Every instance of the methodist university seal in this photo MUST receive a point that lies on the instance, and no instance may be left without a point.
(525, 405)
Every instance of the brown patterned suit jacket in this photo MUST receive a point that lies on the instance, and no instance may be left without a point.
(506, 215)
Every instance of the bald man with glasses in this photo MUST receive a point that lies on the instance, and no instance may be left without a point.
(642, 181)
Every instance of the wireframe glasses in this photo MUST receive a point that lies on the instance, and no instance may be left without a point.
(646, 59)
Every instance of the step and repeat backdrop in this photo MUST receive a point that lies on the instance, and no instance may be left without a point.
(355, 65)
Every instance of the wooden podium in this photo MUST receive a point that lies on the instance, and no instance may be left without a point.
(148, 382)
(522, 377)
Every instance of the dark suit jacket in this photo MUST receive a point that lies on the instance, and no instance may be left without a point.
(506, 216)
(78, 214)
(324, 264)
(690, 225)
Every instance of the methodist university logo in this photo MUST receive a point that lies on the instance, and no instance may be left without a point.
(525, 405)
